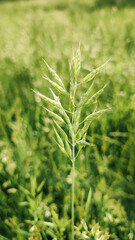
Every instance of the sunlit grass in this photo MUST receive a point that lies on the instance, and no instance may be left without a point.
(30, 31)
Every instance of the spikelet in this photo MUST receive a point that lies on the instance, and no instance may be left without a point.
(54, 74)
(60, 142)
(92, 74)
(61, 109)
(95, 96)
(95, 115)
(59, 88)
(54, 103)
(55, 116)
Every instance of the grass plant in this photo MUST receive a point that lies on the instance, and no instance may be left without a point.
(69, 127)
(105, 172)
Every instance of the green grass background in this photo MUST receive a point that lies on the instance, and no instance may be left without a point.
(35, 178)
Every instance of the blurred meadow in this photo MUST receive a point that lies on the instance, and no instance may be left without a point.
(35, 177)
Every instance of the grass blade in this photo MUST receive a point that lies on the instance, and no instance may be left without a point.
(39, 188)
(88, 204)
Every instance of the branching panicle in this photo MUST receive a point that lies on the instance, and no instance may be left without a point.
(73, 138)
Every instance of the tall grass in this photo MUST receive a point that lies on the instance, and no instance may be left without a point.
(72, 142)
(28, 152)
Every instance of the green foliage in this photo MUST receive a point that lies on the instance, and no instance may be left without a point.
(40, 29)
(84, 233)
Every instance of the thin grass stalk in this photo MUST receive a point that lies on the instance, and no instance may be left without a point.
(73, 188)
(73, 167)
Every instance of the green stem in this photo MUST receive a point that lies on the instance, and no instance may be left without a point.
(73, 186)
(73, 167)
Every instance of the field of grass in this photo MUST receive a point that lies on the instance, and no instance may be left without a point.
(35, 177)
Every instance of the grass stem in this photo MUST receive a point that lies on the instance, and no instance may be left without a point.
(73, 167)
(73, 186)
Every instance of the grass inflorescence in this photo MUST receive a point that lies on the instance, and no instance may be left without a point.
(70, 131)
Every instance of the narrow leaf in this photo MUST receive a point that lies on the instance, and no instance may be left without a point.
(24, 190)
(40, 186)
(3, 238)
(54, 74)
(88, 204)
